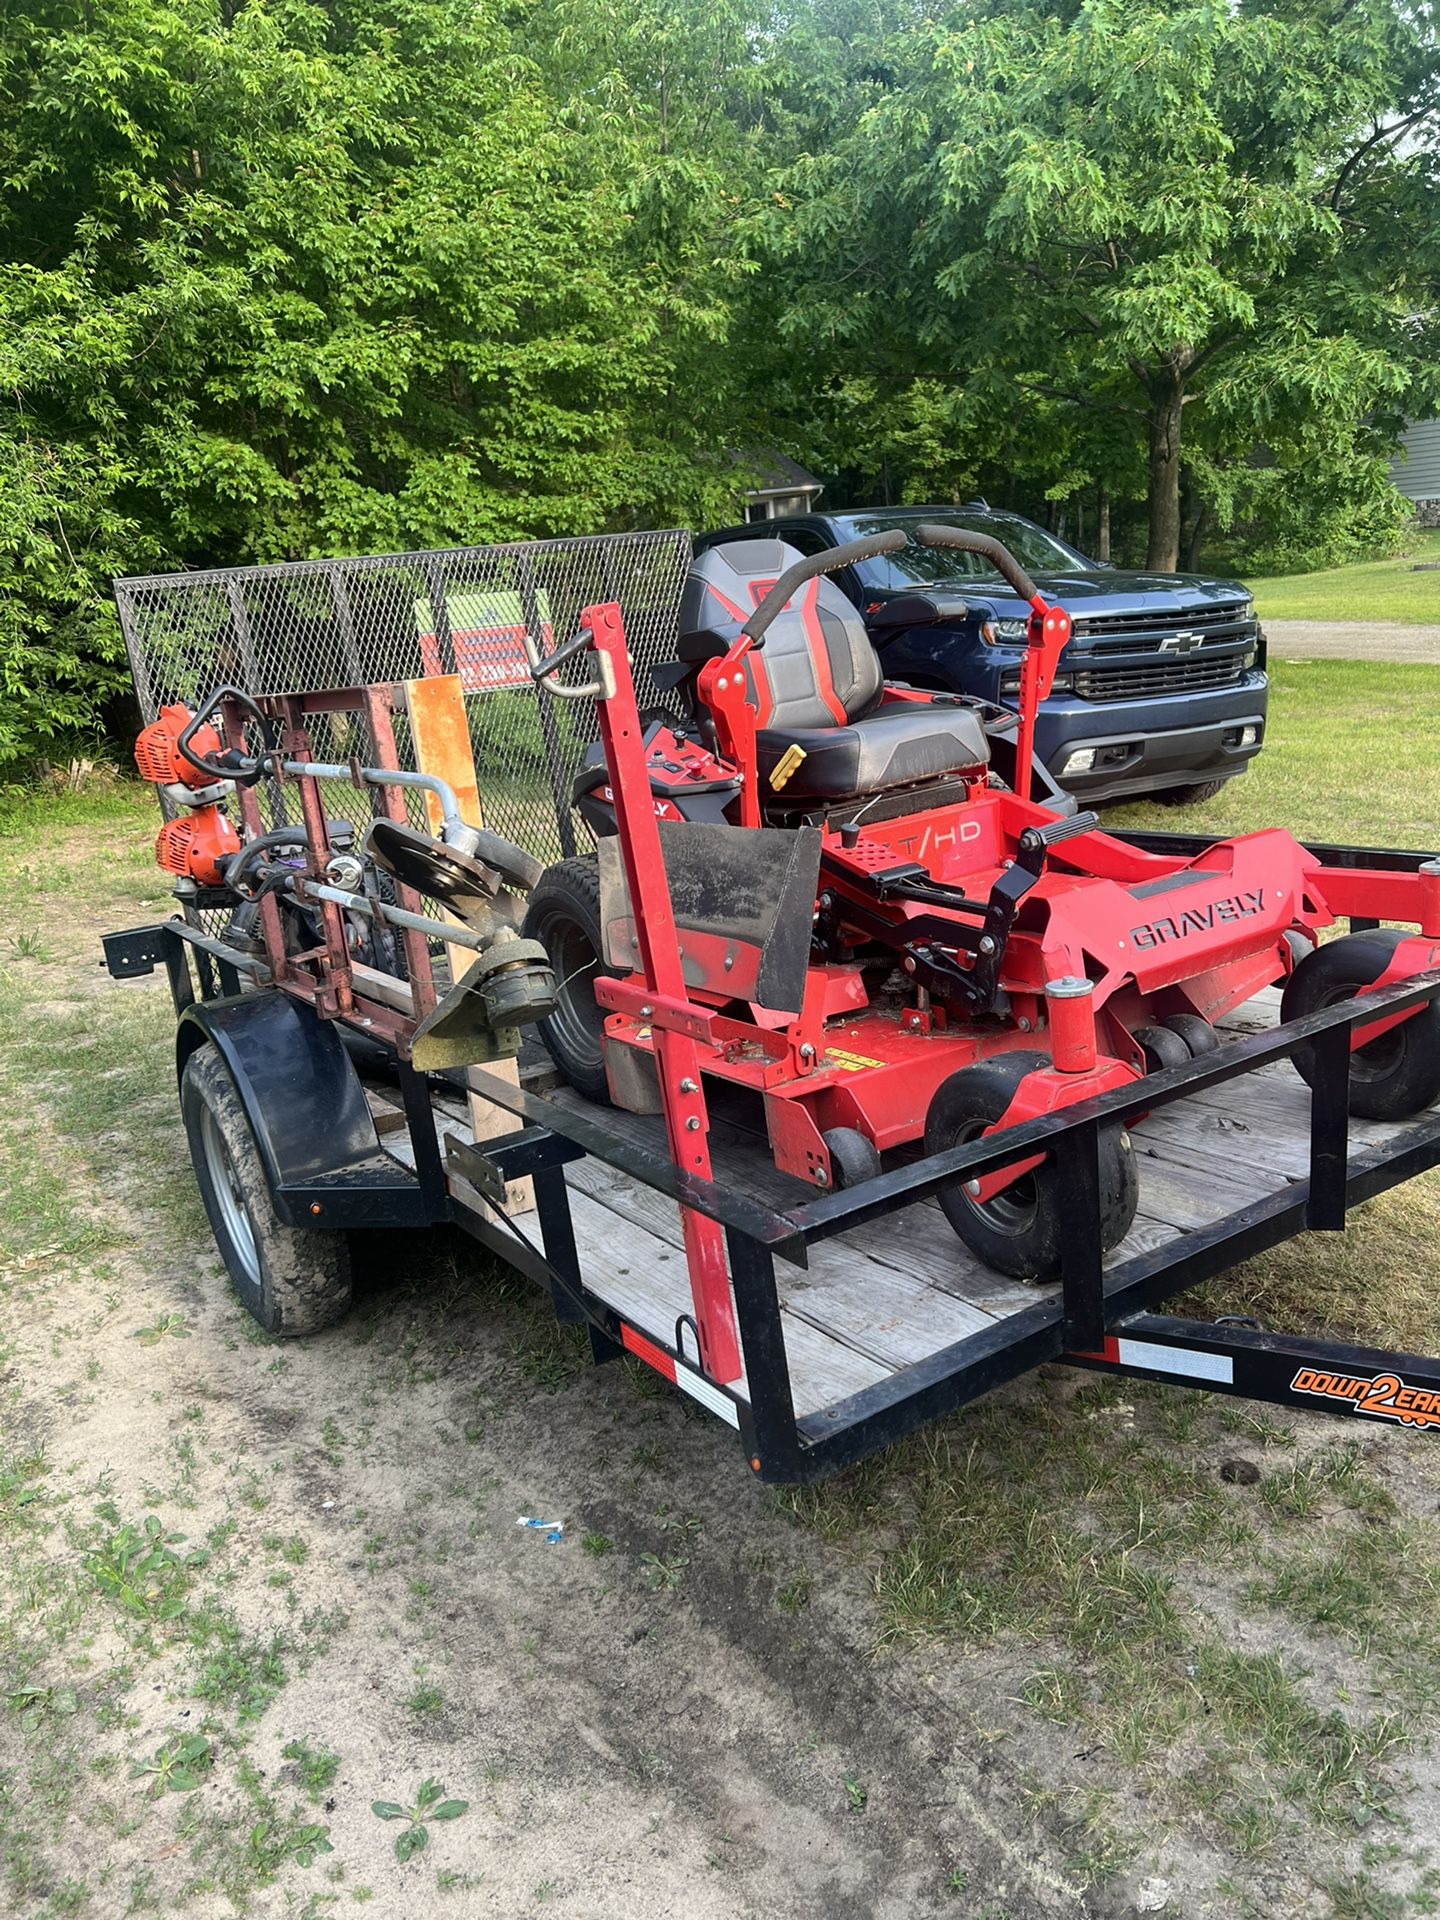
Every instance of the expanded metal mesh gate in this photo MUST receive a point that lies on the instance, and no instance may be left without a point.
(309, 625)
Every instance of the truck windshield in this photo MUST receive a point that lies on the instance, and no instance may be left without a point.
(914, 566)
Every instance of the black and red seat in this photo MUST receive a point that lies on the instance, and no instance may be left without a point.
(817, 683)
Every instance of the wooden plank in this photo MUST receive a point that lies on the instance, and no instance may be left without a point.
(879, 1311)
(383, 987)
(440, 743)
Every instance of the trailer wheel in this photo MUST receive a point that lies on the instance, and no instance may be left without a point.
(292, 1279)
(853, 1158)
(1395, 1075)
(1021, 1230)
(563, 914)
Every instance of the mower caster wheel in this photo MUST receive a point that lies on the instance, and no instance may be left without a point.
(294, 1280)
(1022, 1229)
(563, 914)
(1301, 947)
(1199, 1036)
(853, 1158)
(1163, 1047)
(1398, 1073)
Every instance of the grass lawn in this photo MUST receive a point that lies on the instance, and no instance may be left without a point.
(1089, 1646)
(1352, 755)
(1369, 590)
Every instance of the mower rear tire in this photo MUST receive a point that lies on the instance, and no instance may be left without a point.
(1192, 796)
(563, 914)
(1398, 1073)
(293, 1280)
(854, 1159)
(1022, 1229)
(1163, 1048)
(1198, 1034)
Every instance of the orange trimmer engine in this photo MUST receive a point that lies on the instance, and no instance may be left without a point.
(200, 842)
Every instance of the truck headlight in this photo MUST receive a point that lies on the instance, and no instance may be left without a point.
(1004, 633)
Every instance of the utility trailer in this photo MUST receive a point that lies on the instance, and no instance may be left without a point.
(859, 1315)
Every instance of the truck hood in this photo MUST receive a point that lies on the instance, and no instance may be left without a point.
(1116, 590)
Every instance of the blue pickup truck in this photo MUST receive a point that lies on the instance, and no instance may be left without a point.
(1161, 691)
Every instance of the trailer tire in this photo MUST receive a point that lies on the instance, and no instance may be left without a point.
(1398, 1073)
(1022, 1230)
(563, 914)
(293, 1280)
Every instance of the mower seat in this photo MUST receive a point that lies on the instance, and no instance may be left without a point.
(817, 683)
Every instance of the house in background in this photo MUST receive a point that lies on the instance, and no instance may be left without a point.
(1416, 470)
(783, 487)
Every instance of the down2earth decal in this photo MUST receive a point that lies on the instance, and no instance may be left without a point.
(1384, 1396)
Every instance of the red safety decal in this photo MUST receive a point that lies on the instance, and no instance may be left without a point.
(687, 1378)
(647, 1351)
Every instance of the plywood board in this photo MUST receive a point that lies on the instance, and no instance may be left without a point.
(440, 742)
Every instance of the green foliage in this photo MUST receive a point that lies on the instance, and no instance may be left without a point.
(315, 1767)
(282, 278)
(178, 1766)
(430, 1804)
(139, 1569)
(1127, 245)
(292, 277)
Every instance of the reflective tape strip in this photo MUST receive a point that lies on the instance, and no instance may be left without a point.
(1184, 1361)
(695, 1384)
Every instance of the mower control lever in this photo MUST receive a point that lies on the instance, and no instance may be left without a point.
(775, 600)
(1037, 839)
(1005, 563)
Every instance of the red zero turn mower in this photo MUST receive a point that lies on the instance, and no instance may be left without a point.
(816, 888)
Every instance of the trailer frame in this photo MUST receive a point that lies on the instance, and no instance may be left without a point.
(1101, 1318)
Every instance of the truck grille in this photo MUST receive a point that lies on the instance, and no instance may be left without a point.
(1153, 678)
(1144, 631)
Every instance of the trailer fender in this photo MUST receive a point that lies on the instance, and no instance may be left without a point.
(307, 1109)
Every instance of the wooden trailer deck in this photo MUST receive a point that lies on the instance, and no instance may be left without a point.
(897, 1289)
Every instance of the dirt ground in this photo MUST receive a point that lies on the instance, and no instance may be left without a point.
(706, 1698)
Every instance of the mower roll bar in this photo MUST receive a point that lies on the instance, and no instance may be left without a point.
(926, 535)
(778, 597)
(1004, 562)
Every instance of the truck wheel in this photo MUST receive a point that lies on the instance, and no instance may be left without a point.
(292, 1279)
(563, 914)
(1021, 1230)
(1395, 1075)
(1192, 796)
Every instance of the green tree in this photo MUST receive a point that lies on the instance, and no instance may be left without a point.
(282, 278)
(1199, 218)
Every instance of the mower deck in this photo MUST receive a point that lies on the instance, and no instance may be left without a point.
(898, 1289)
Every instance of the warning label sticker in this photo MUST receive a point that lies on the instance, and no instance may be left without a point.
(848, 1062)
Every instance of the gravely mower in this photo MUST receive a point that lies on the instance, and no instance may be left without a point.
(836, 904)
(888, 945)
